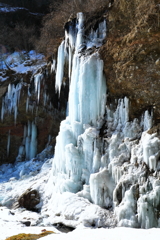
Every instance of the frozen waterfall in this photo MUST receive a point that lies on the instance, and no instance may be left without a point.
(111, 170)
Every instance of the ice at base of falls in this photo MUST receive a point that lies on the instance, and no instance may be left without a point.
(101, 188)
(102, 177)
(126, 210)
(72, 210)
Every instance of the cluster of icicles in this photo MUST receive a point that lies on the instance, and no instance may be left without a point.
(10, 104)
(11, 99)
(112, 171)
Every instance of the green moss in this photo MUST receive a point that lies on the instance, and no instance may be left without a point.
(23, 236)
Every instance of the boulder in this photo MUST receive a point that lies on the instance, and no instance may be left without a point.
(29, 199)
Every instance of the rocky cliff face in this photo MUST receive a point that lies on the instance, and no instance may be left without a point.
(131, 55)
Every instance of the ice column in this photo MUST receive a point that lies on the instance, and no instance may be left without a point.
(60, 66)
(37, 82)
(74, 151)
(8, 143)
(146, 121)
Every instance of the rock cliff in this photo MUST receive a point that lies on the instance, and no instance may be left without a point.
(131, 55)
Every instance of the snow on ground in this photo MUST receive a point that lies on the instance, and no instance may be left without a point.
(89, 234)
(21, 62)
(68, 208)
(16, 179)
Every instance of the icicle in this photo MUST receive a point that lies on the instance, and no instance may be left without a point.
(49, 140)
(37, 82)
(11, 100)
(2, 110)
(79, 41)
(146, 121)
(8, 143)
(29, 94)
(45, 98)
(10, 87)
(15, 114)
(33, 142)
(60, 66)
(29, 129)
(28, 149)
(70, 62)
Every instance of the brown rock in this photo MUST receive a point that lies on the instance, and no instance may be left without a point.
(29, 199)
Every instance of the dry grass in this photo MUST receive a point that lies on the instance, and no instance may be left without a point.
(23, 236)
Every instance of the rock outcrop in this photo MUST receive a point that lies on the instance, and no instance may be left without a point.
(131, 55)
